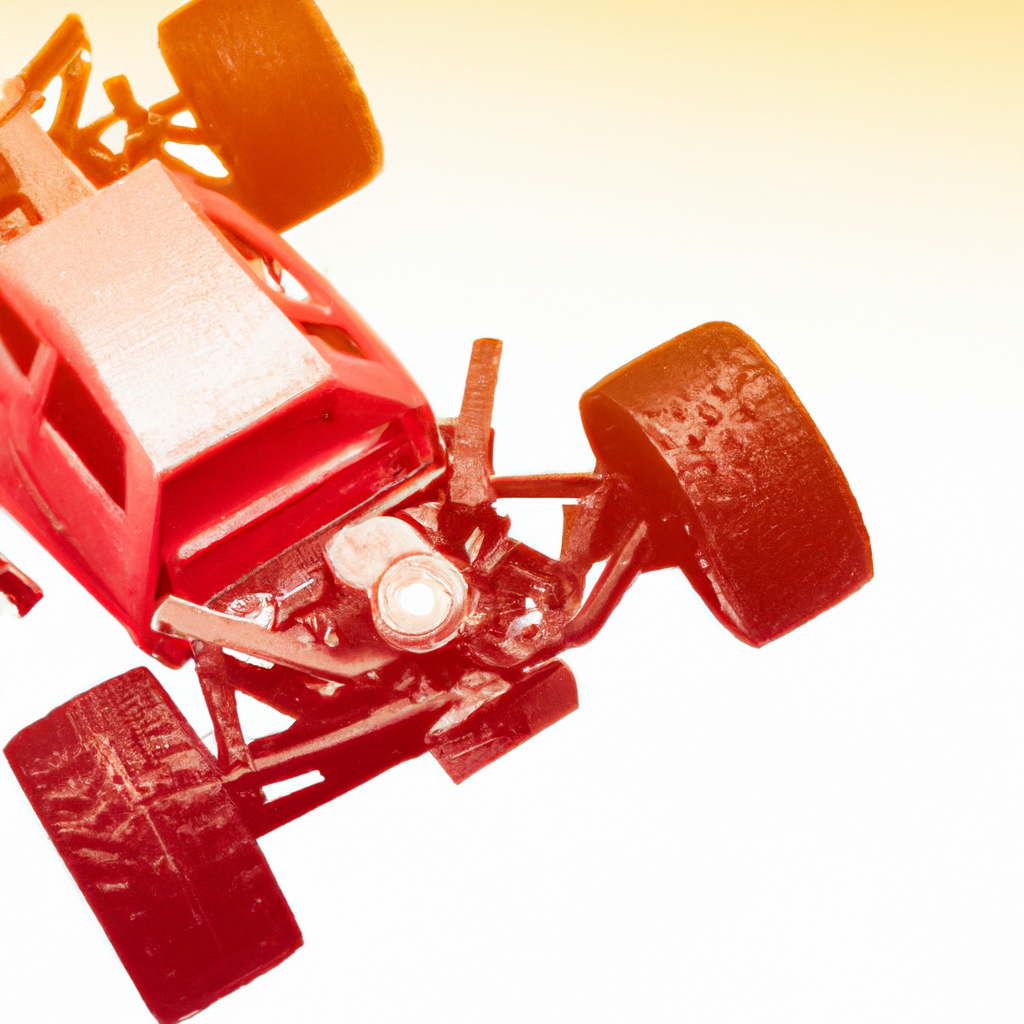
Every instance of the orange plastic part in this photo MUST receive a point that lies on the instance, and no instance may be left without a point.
(37, 183)
(296, 135)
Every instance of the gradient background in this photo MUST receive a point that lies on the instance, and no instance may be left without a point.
(829, 829)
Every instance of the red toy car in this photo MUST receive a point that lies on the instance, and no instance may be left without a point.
(252, 480)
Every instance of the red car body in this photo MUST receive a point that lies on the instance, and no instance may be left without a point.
(153, 462)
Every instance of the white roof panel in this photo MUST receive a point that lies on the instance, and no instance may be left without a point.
(189, 346)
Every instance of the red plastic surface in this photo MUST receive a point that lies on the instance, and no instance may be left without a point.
(22, 592)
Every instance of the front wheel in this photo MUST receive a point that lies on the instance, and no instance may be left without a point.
(138, 812)
(749, 499)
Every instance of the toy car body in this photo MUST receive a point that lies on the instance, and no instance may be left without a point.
(253, 480)
(179, 470)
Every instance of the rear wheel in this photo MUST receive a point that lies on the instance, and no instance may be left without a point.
(139, 814)
(278, 102)
(742, 489)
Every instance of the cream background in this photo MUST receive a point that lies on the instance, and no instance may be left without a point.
(829, 829)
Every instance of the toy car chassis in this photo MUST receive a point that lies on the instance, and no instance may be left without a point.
(252, 480)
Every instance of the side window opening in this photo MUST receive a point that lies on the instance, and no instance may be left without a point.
(334, 337)
(277, 278)
(20, 342)
(265, 266)
(73, 412)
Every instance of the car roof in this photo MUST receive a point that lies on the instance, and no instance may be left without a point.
(181, 335)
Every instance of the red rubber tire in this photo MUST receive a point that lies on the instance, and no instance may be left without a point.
(709, 432)
(138, 813)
